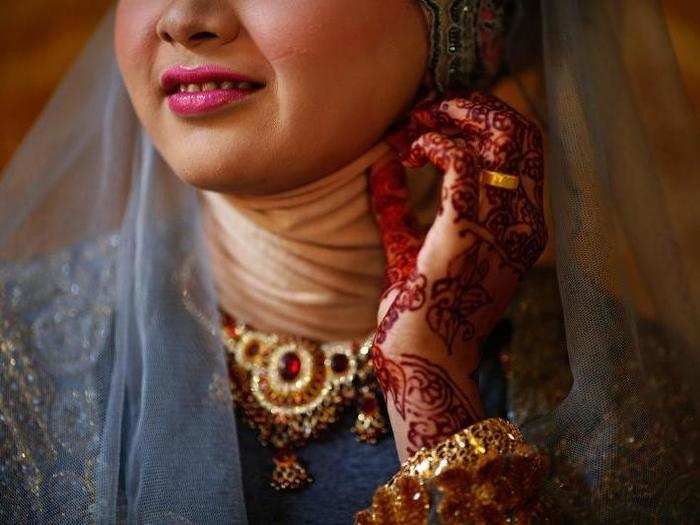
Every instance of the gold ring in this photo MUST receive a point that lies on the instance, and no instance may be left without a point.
(500, 180)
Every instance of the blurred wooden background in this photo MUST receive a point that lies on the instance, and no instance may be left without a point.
(40, 38)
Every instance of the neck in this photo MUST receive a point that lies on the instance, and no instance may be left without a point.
(306, 262)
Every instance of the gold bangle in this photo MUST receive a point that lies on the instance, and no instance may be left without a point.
(485, 471)
(500, 180)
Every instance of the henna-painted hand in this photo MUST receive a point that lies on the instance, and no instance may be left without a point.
(447, 289)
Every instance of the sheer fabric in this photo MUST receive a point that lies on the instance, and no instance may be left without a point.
(114, 401)
(624, 163)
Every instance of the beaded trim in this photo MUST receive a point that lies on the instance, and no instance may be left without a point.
(467, 40)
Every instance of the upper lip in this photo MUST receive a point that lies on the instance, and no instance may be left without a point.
(172, 78)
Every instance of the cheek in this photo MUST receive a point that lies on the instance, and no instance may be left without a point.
(283, 35)
(328, 58)
(352, 60)
(314, 31)
(135, 44)
(317, 32)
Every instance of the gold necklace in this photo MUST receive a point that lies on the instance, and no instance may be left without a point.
(291, 389)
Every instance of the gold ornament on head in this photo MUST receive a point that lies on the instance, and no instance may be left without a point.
(467, 40)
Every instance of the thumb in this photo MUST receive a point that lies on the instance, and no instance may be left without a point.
(400, 234)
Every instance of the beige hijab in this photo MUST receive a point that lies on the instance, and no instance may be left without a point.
(308, 261)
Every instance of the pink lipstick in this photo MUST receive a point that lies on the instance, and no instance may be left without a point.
(205, 89)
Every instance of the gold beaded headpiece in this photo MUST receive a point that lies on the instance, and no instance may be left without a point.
(468, 39)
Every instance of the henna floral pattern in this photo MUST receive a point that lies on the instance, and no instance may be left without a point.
(425, 396)
(411, 297)
(447, 287)
(457, 297)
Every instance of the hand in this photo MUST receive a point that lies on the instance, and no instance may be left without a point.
(447, 288)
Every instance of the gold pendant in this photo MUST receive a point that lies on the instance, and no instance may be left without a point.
(370, 424)
(289, 473)
(291, 389)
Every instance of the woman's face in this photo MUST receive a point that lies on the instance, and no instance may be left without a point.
(275, 93)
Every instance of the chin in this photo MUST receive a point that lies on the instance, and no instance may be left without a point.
(228, 178)
(224, 168)
(207, 167)
(218, 179)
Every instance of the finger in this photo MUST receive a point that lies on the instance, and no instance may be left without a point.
(459, 200)
(479, 113)
(445, 153)
(491, 136)
(427, 118)
(476, 120)
(460, 188)
(501, 129)
(464, 203)
(400, 235)
(508, 221)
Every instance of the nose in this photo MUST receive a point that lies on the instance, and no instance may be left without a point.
(195, 23)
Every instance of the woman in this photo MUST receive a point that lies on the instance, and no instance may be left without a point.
(294, 123)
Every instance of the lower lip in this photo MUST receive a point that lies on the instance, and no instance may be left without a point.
(188, 104)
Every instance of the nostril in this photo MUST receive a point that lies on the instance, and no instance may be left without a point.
(202, 35)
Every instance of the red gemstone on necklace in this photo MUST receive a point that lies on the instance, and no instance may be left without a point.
(252, 350)
(368, 404)
(289, 366)
(339, 363)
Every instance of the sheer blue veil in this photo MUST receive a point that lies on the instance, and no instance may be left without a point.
(114, 397)
(114, 401)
